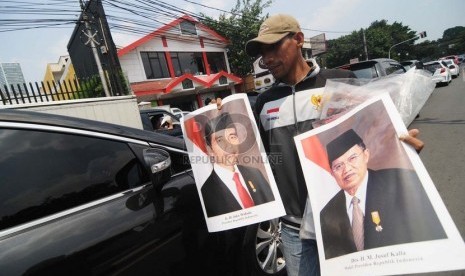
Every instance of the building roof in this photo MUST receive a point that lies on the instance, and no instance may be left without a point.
(163, 30)
(165, 86)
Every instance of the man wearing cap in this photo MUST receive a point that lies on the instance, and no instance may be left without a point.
(285, 110)
(373, 208)
(230, 187)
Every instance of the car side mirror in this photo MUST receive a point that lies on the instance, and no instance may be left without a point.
(158, 161)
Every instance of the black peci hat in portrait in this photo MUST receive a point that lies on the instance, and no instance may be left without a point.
(341, 144)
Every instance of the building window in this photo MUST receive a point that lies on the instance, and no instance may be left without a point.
(187, 63)
(223, 80)
(217, 62)
(155, 65)
(187, 84)
(188, 28)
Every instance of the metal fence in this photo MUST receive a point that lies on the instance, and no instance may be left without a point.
(51, 91)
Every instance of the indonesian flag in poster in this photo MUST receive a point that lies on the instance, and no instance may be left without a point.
(317, 165)
(196, 146)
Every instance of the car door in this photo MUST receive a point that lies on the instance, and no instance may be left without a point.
(81, 203)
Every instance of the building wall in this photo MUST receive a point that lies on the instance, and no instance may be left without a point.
(132, 62)
(62, 74)
(11, 74)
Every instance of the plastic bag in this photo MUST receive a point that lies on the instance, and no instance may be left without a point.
(409, 92)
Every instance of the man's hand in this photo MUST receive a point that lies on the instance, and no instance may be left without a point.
(412, 139)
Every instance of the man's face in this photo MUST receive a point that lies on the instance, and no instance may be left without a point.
(224, 147)
(350, 168)
(280, 58)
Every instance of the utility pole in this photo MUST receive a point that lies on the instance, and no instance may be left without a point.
(93, 44)
(365, 45)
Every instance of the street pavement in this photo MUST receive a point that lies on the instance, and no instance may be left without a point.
(442, 128)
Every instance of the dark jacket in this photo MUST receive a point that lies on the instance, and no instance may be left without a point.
(405, 211)
(278, 104)
(219, 200)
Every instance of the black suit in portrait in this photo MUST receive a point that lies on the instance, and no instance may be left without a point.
(405, 211)
(219, 200)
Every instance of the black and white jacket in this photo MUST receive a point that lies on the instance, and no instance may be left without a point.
(282, 112)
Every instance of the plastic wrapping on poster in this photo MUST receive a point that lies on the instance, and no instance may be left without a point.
(409, 92)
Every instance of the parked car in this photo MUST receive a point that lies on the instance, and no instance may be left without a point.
(82, 197)
(412, 64)
(454, 68)
(439, 72)
(375, 68)
(453, 57)
(461, 58)
(158, 120)
(180, 115)
(178, 112)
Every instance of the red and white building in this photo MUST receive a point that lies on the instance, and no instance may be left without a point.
(180, 64)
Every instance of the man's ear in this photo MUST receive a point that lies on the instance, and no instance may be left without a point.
(366, 152)
(299, 37)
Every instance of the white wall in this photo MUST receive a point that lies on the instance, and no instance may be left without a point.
(121, 110)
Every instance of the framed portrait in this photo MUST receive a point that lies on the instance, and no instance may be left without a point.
(375, 208)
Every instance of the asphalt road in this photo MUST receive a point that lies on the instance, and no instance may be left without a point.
(442, 128)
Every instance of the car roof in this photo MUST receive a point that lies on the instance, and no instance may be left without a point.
(23, 116)
(409, 61)
(365, 63)
(152, 110)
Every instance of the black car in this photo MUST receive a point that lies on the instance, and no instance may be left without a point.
(374, 68)
(81, 197)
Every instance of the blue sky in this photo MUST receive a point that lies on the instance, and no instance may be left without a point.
(33, 49)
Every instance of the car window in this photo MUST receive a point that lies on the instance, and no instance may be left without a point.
(448, 62)
(365, 73)
(432, 67)
(159, 120)
(44, 173)
(408, 65)
(393, 68)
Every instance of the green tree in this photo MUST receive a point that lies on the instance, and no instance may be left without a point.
(239, 26)
(380, 36)
(453, 41)
(427, 50)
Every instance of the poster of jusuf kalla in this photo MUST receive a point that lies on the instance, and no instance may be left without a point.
(375, 208)
(231, 170)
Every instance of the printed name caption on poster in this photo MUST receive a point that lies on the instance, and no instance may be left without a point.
(238, 217)
(376, 259)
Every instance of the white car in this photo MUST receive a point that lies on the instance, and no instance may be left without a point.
(440, 72)
(454, 68)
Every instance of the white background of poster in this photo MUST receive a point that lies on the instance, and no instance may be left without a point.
(254, 156)
(428, 256)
